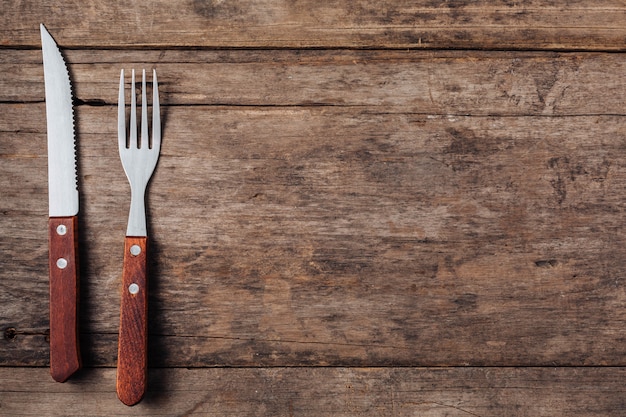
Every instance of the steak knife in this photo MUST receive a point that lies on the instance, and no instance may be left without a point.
(63, 212)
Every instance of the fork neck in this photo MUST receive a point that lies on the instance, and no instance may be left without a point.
(137, 213)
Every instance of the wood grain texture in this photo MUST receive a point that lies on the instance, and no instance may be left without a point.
(347, 191)
(350, 236)
(64, 289)
(132, 360)
(501, 24)
(427, 82)
(241, 392)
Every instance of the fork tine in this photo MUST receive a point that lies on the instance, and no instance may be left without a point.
(133, 113)
(144, 113)
(121, 115)
(156, 113)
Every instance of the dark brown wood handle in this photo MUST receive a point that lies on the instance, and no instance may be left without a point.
(63, 264)
(132, 359)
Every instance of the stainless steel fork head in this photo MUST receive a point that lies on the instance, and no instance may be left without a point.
(139, 158)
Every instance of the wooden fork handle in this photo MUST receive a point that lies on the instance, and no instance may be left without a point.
(132, 356)
(63, 264)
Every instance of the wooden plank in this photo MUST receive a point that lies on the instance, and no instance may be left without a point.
(337, 236)
(538, 24)
(316, 392)
(476, 83)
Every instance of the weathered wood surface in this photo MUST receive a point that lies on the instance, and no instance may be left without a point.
(346, 234)
(484, 24)
(429, 392)
(321, 204)
(435, 83)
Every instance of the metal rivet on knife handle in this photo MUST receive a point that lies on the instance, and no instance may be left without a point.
(135, 250)
(133, 288)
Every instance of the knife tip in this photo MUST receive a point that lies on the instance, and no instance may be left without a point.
(44, 32)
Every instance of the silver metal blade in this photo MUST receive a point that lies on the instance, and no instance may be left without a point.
(62, 180)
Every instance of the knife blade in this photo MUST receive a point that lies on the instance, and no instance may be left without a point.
(63, 213)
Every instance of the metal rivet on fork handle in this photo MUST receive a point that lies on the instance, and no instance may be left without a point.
(62, 263)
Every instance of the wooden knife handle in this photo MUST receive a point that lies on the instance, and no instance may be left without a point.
(132, 356)
(63, 263)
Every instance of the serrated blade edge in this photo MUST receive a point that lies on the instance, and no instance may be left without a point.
(62, 179)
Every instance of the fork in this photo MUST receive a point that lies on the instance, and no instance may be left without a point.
(139, 160)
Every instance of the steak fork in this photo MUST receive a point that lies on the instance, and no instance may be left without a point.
(139, 160)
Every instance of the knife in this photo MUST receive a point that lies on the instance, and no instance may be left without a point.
(63, 212)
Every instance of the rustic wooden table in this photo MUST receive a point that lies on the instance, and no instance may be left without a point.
(361, 208)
